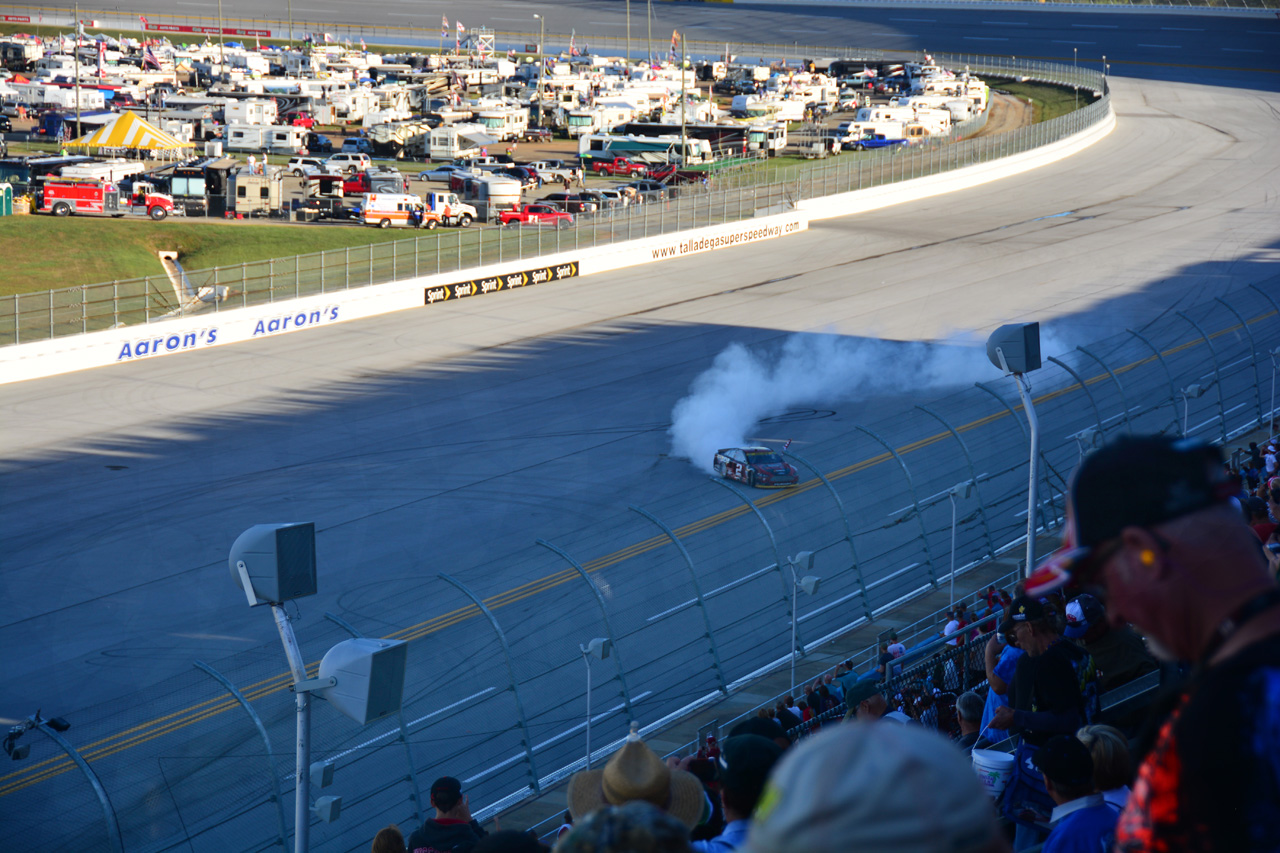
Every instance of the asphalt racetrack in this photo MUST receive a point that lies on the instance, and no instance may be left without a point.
(449, 440)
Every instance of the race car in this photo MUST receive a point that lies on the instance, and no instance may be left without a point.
(760, 467)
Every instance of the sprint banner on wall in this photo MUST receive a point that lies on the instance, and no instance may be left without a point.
(495, 283)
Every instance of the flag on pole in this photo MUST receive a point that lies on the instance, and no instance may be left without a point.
(511, 54)
(328, 38)
(363, 49)
(444, 27)
(149, 58)
(143, 19)
(675, 38)
(102, 59)
(573, 38)
(457, 38)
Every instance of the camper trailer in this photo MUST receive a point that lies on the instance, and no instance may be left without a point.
(251, 111)
(504, 123)
(255, 190)
(277, 138)
(451, 141)
(488, 194)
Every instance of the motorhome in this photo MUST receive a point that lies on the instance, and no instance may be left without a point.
(767, 108)
(504, 123)
(19, 53)
(648, 149)
(451, 141)
(255, 190)
(488, 194)
(603, 117)
(252, 111)
(277, 138)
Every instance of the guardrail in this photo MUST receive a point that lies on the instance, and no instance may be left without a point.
(735, 195)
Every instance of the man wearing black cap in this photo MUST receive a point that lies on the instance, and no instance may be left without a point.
(1082, 821)
(452, 830)
(1054, 685)
(1149, 521)
(743, 768)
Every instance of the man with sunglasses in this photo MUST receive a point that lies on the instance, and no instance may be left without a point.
(1150, 528)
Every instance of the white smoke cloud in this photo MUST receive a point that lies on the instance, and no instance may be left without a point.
(742, 386)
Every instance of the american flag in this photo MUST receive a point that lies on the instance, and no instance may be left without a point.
(444, 26)
(573, 37)
(102, 59)
(149, 58)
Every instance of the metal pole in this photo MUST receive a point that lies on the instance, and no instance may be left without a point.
(952, 495)
(777, 555)
(1029, 406)
(795, 592)
(586, 658)
(915, 500)
(302, 705)
(1253, 352)
(628, 38)
(113, 826)
(1217, 371)
(1084, 386)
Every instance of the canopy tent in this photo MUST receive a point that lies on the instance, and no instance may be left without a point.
(132, 133)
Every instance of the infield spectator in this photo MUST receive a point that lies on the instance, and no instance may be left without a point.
(1148, 520)
(1112, 766)
(877, 788)
(452, 830)
(1118, 653)
(1082, 821)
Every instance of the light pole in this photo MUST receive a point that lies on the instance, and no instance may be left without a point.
(955, 493)
(599, 649)
(809, 584)
(649, 43)
(628, 33)
(1075, 81)
(1015, 348)
(1275, 364)
(222, 49)
(1191, 392)
(542, 62)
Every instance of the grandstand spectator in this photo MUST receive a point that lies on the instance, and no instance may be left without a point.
(810, 693)
(1269, 461)
(865, 701)
(969, 714)
(877, 787)
(1082, 821)
(785, 716)
(953, 624)
(633, 773)
(1150, 523)
(833, 687)
(510, 841)
(1118, 653)
(1001, 659)
(1112, 766)
(806, 714)
(1054, 684)
(896, 648)
(388, 840)
(768, 729)
(884, 668)
(1259, 519)
(635, 827)
(452, 829)
(744, 768)
(830, 696)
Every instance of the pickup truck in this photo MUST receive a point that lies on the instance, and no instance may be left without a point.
(554, 172)
(535, 214)
(620, 166)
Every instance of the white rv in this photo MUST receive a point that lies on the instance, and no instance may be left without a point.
(277, 138)
(451, 141)
(250, 111)
(505, 123)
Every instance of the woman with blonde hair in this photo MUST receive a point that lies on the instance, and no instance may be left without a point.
(1112, 764)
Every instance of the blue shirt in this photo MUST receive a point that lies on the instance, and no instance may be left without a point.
(1004, 668)
(733, 837)
(1088, 826)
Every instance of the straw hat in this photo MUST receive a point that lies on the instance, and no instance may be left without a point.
(633, 773)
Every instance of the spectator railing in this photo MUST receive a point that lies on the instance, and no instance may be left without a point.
(734, 194)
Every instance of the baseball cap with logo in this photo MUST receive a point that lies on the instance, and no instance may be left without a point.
(1023, 609)
(1134, 481)
(1065, 760)
(1083, 613)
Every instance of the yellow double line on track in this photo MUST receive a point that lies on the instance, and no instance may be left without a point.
(33, 774)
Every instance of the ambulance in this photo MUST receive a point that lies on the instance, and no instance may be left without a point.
(387, 209)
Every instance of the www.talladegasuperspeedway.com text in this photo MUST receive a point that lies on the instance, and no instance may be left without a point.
(720, 241)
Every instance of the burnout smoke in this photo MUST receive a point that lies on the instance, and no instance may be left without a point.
(742, 386)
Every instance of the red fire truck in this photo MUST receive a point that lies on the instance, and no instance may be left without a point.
(65, 196)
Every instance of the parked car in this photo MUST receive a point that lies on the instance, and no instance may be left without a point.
(536, 134)
(652, 190)
(619, 166)
(346, 161)
(297, 166)
(528, 178)
(572, 202)
(535, 214)
(357, 145)
(441, 173)
(5, 124)
(603, 202)
(318, 143)
(760, 467)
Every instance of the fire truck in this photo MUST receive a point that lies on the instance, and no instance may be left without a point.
(64, 196)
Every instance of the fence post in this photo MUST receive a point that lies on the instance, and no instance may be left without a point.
(697, 589)
(1173, 389)
(109, 812)
(270, 757)
(1097, 413)
(404, 731)
(973, 475)
(146, 297)
(915, 500)
(84, 308)
(1217, 372)
(1124, 401)
(1253, 351)
(604, 614)
(297, 276)
(848, 531)
(777, 555)
(526, 740)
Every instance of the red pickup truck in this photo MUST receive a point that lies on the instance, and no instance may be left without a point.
(620, 166)
(535, 214)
